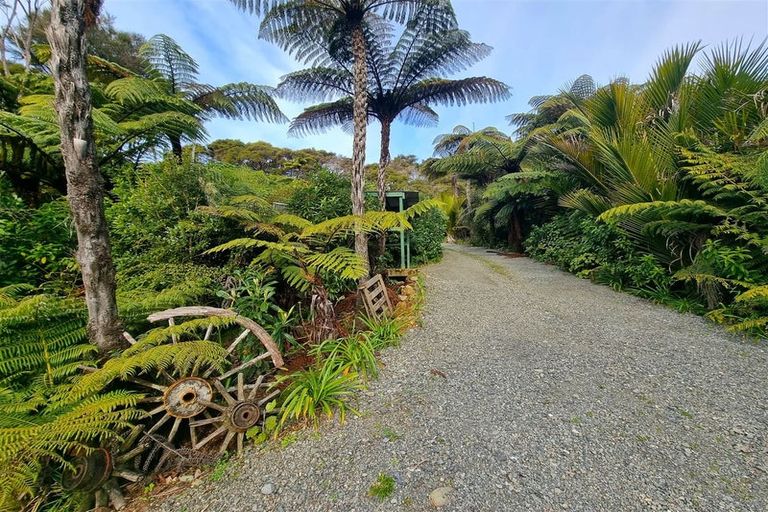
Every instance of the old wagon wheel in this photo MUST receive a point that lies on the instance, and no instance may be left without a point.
(238, 413)
(183, 397)
(100, 472)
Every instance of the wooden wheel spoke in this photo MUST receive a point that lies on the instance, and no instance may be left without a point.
(159, 423)
(192, 434)
(157, 409)
(268, 397)
(174, 429)
(172, 323)
(255, 388)
(213, 405)
(207, 421)
(227, 440)
(220, 387)
(240, 387)
(240, 438)
(130, 339)
(245, 365)
(151, 399)
(213, 435)
(231, 348)
(148, 384)
(130, 454)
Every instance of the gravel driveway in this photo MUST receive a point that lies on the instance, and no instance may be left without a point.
(530, 389)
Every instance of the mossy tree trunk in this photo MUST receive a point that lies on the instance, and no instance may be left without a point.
(85, 187)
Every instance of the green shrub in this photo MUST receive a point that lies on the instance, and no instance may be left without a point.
(326, 195)
(253, 294)
(155, 219)
(319, 390)
(428, 235)
(384, 332)
(352, 354)
(36, 244)
(577, 243)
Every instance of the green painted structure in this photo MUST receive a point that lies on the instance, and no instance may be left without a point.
(399, 201)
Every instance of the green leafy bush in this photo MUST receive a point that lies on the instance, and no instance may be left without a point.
(323, 389)
(36, 244)
(428, 235)
(155, 218)
(326, 195)
(577, 243)
(253, 293)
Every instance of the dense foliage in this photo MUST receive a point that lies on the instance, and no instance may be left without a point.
(664, 182)
(428, 236)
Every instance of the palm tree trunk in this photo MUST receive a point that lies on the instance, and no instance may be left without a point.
(176, 145)
(386, 127)
(66, 35)
(455, 185)
(515, 235)
(360, 116)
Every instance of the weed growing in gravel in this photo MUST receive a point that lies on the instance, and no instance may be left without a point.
(289, 440)
(383, 487)
(390, 434)
(220, 469)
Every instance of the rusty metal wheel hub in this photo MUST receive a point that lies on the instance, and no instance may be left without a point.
(243, 415)
(89, 472)
(187, 397)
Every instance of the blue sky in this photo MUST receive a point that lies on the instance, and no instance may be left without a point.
(539, 46)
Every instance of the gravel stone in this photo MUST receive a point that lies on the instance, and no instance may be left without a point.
(267, 489)
(550, 393)
(439, 497)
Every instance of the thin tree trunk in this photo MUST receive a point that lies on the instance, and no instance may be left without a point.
(455, 185)
(360, 116)
(6, 32)
(381, 184)
(176, 146)
(27, 50)
(515, 236)
(386, 128)
(85, 189)
(4, 58)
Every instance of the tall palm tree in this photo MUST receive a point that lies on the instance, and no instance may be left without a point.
(404, 81)
(480, 156)
(317, 31)
(177, 71)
